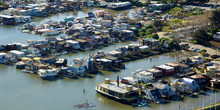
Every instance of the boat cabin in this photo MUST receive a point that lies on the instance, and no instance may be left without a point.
(118, 91)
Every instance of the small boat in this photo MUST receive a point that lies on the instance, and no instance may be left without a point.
(25, 71)
(25, 31)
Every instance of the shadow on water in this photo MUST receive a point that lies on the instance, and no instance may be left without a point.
(53, 78)
(114, 70)
(87, 76)
(177, 98)
(97, 73)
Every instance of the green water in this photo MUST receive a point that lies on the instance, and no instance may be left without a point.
(22, 91)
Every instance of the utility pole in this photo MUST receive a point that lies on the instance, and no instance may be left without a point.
(203, 107)
(215, 100)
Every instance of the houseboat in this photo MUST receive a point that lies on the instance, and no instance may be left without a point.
(119, 5)
(47, 73)
(3, 58)
(51, 32)
(118, 91)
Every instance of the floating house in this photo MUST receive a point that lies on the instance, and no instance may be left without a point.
(179, 67)
(114, 53)
(166, 70)
(191, 83)
(143, 75)
(3, 57)
(47, 73)
(7, 20)
(73, 43)
(118, 91)
(180, 86)
(165, 89)
(18, 54)
(78, 69)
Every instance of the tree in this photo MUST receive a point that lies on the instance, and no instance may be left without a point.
(158, 24)
(176, 11)
(215, 18)
(213, 31)
(201, 37)
(155, 36)
(174, 44)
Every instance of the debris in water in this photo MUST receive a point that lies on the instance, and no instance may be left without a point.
(85, 105)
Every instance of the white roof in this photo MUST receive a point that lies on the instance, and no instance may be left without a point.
(72, 42)
(114, 52)
(165, 67)
(145, 73)
(104, 60)
(113, 86)
(144, 47)
(2, 54)
(16, 52)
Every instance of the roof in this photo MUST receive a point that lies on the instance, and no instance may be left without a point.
(151, 39)
(113, 86)
(80, 40)
(3, 54)
(145, 73)
(197, 76)
(104, 60)
(72, 42)
(174, 64)
(75, 65)
(165, 67)
(154, 70)
(159, 85)
(111, 58)
(114, 52)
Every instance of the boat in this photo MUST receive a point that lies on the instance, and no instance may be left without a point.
(102, 4)
(51, 32)
(118, 91)
(119, 5)
(46, 73)
(25, 71)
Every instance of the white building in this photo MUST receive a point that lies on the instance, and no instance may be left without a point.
(44, 73)
(73, 43)
(18, 54)
(145, 76)
(78, 69)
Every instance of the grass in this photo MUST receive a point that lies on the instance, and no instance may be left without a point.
(193, 42)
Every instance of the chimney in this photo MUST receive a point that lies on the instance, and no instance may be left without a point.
(118, 81)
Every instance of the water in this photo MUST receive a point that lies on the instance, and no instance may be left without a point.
(24, 91)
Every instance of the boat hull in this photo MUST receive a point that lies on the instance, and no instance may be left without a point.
(129, 102)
